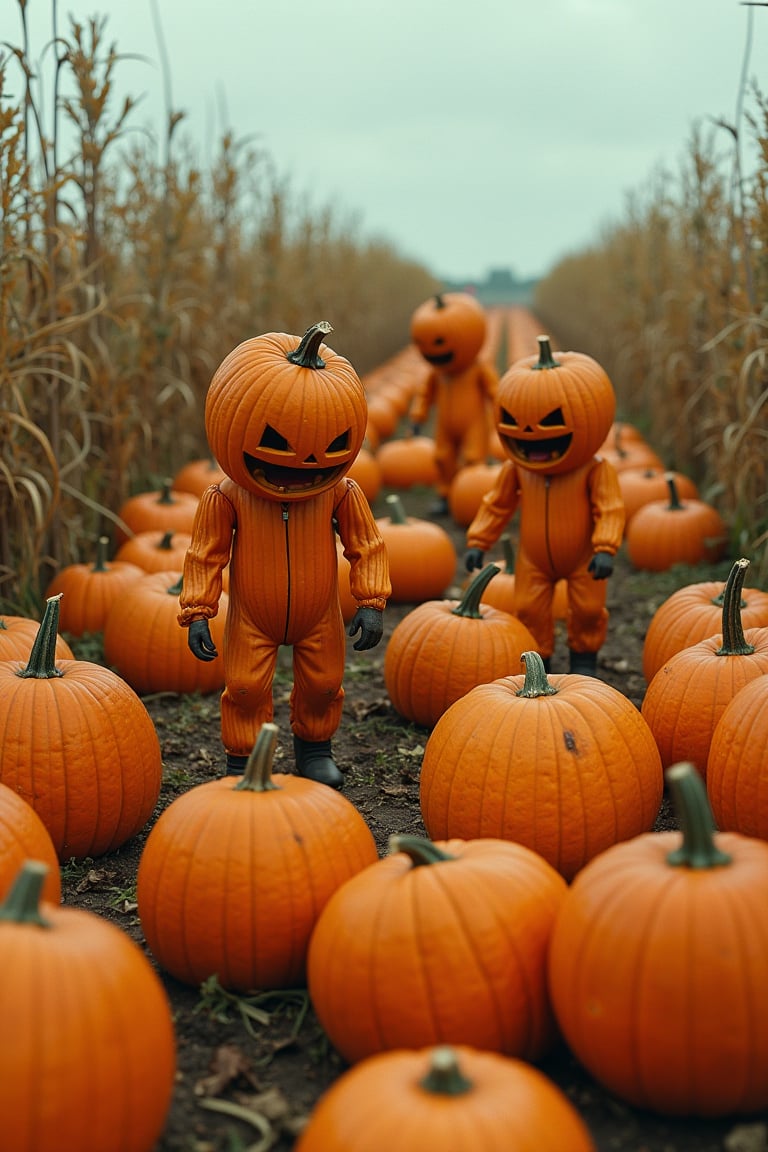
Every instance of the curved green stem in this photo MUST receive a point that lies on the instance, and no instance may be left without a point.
(418, 849)
(22, 903)
(166, 543)
(546, 359)
(675, 503)
(536, 682)
(734, 642)
(307, 355)
(396, 511)
(469, 605)
(445, 1077)
(42, 658)
(166, 490)
(689, 798)
(257, 776)
(100, 563)
(175, 589)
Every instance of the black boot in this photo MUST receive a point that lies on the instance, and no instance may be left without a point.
(315, 761)
(236, 764)
(583, 663)
(440, 507)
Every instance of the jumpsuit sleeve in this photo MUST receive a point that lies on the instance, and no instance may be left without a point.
(607, 507)
(208, 554)
(496, 509)
(364, 547)
(423, 399)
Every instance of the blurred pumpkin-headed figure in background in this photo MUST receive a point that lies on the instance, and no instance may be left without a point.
(285, 417)
(554, 413)
(449, 331)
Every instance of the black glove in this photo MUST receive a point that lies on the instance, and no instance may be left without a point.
(200, 642)
(369, 622)
(473, 558)
(601, 565)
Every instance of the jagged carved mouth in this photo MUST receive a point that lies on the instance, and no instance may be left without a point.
(439, 359)
(545, 451)
(282, 478)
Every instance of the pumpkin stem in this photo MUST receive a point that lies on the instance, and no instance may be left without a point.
(675, 503)
(689, 798)
(469, 605)
(734, 642)
(536, 682)
(167, 542)
(418, 849)
(22, 903)
(175, 589)
(546, 359)
(42, 658)
(166, 489)
(440, 301)
(100, 563)
(307, 355)
(257, 776)
(396, 511)
(445, 1076)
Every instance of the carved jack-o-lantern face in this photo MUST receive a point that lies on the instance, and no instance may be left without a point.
(286, 417)
(449, 330)
(554, 412)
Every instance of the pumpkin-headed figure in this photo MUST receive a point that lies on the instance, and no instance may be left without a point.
(285, 418)
(449, 331)
(553, 413)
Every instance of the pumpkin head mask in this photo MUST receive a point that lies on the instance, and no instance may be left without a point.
(554, 414)
(286, 417)
(449, 330)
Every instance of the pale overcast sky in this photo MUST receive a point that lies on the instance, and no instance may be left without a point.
(472, 135)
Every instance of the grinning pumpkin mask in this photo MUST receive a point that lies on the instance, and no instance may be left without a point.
(286, 417)
(449, 330)
(554, 413)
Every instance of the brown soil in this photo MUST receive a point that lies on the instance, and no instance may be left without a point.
(246, 1084)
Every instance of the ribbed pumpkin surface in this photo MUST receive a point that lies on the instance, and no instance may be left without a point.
(737, 783)
(567, 775)
(17, 635)
(89, 590)
(23, 836)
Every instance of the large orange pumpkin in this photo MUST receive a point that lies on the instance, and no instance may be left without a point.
(438, 943)
(737, 783)
(467, 489)
(448, 1097)
(421, 554)
(278, 430)
(658, 965)
(78, 745)
(235, 873)
(87, 1050)
(688, 694)
(407, 462)
(442, 648)
(674, 531)
(565, 765)
(89, 590)
(23, 836)
(156, 550)
(162, 508)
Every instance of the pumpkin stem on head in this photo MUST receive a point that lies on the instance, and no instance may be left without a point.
(546, 359)
(419, 850)
(42, 658)
(469, 605)
(445, 1077)
(307, 355)
(536, 682)
(22, 903)
(257, 774)
(689, 799)
(734, 642)
(439, 300)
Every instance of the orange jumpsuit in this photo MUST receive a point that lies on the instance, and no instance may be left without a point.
(564, 520)
(462, 421)
(283, 590)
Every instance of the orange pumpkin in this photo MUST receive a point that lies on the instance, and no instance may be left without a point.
(675, 531)
(163, 509)
(23, 836)
(79, 746)
(442, 648)
(641, 484)
(197, 475)
(736, 777)
(629, 451)
(89, 590)
(694, 613)
(365, 470)
(144, 644)
(18, 634)
(407, 462)
(687, 696)
(421, 554)
(467, 489)
(448, 1097)
(73, 983)
(235, 873)
(438, 943)
(658, 965)
(156, 550)
(565, 765)
(278, 430)
(449, 330)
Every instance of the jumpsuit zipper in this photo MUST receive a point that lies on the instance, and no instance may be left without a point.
(288, 570)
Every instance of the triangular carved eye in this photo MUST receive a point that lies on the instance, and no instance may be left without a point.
(553, 419)
(340, 444)
(271, 438)
(508, 419)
